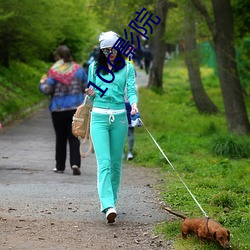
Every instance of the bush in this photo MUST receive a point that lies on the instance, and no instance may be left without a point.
(224, 200)
(231, 146)
(19, 88)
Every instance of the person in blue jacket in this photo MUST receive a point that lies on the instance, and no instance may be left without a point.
(109, 124)
(65, 83)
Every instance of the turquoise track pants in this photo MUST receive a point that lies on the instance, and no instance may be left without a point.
(108, 136)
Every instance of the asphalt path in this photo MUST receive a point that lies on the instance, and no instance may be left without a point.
(31, 190)
(26, 164)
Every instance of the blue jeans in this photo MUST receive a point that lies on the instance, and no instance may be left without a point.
(108, 139)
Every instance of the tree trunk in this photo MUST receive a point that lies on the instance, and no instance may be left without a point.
(159, 48)
(235, 109)
(201, 99)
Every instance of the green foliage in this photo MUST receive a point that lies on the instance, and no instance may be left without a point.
(41, 29)
(19, 87)
(224, 200)
(116, 14)
(170, 230)
(210, 129)
(242, 37)
(219, 183)
(241, 17)
(231, 146)
(243, 60)
(176, 18)
(175, 24)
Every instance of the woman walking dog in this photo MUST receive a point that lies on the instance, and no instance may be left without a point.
(109, 123)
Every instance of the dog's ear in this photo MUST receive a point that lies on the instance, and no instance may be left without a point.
(214, 235)
(228, 237)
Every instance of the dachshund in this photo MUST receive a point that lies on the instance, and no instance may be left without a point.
(204, 229)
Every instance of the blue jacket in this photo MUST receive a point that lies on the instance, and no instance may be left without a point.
(65, 97)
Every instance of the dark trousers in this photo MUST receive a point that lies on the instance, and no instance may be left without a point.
(130, 129)
(62, 122)
(147, 65)
(131, 139)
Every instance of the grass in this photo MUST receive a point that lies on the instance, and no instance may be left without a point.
(214, 164)
(19, 88)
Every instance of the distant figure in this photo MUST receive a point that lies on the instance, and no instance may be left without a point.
(138, 57)
(65, 84)
(130, 133)
(130, 127)
(147, 54)
(93, 55)
(85, 66)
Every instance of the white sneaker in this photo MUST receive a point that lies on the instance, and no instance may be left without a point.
(130, 156)
(111, 214)
(58, 171)
(76, 170)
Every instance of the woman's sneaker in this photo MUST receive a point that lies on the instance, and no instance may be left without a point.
(76, 170)
(58, 171)
(130, 156)
(111, 214)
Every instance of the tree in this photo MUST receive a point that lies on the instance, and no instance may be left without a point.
(111, 14)
(241, 17)
(201, 99)
(28, 33)
(223, 38)
(159, 44)
(242, 33)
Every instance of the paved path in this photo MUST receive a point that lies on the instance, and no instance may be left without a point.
(141, 78)
(30, 192)
(26, 163)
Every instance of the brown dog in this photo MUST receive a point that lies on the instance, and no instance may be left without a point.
(204, 228)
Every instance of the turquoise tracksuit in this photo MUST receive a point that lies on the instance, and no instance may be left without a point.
(109, 129)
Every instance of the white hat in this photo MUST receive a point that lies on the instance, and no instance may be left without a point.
(108, 39)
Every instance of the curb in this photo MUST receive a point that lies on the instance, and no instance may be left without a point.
(22, 114)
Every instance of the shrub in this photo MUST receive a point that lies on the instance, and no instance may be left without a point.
(231, 146)
(223, 200)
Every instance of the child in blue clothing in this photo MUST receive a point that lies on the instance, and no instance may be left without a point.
(131, 129)
(130, 133)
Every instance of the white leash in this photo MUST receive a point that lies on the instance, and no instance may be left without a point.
(174, 169)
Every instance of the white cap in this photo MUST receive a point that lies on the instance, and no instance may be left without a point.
(108, 39)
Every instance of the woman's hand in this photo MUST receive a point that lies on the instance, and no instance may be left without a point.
(134, 109)
(43, 79)
(90, 91)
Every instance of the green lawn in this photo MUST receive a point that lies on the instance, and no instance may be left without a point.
(214, 164)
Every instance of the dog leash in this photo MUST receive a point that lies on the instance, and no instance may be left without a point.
(174, 170)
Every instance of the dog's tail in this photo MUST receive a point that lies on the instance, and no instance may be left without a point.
(175, 213)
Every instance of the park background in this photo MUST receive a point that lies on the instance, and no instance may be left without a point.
(196, 103)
